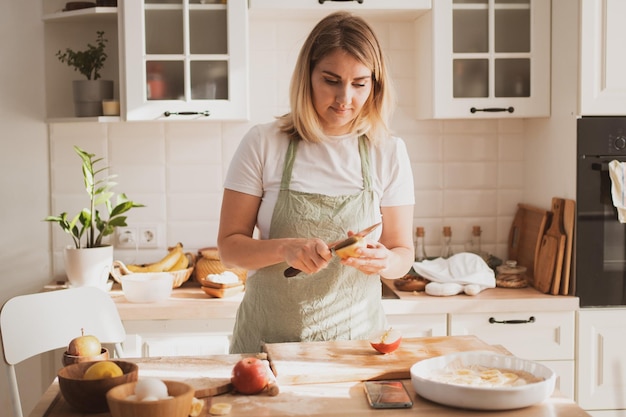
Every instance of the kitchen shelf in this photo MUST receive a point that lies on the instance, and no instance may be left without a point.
(82, 15)
(101, 119)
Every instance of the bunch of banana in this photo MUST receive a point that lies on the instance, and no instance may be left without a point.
(175, 260)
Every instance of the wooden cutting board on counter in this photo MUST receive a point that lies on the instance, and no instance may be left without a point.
(356, 360)
(525, 237)
(550, 256)
(569, 219)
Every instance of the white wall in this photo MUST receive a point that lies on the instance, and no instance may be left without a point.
(24, 240)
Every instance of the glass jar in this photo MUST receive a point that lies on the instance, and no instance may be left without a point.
(446, 248)
(420, 248)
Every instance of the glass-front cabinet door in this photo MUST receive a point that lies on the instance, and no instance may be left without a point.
(186, 59)
(489, 58)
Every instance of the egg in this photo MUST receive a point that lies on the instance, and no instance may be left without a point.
(150, 389)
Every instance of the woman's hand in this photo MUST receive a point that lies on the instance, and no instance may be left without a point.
(307, 255)
(371, 259)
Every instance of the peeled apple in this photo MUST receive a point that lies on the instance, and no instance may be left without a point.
(386, 341)
(350, 251)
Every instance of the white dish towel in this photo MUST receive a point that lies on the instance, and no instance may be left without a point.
(464, 272)
(617, 172)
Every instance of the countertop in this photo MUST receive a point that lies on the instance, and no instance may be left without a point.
(190, 302)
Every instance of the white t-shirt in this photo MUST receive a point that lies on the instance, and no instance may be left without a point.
(329, 168)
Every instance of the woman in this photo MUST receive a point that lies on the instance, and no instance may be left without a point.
(316, 175)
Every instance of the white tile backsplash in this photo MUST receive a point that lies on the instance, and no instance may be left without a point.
(467, 172)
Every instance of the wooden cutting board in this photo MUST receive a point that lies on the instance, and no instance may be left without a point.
(569, 217)
(550, 255)
(356, 360)
(209, 375)
(525, 237)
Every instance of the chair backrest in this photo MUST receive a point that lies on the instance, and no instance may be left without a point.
(37, 323)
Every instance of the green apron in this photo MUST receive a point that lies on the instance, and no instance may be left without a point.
(336, 303)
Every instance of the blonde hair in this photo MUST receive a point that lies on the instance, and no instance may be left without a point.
(349, 33)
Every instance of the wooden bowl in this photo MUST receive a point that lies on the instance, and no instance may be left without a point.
(177, 406)
(89, 396)
(70, 359)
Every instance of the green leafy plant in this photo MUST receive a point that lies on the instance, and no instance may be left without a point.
(88, 223)
(88, 62)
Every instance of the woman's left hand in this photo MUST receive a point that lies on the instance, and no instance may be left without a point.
(371, 259)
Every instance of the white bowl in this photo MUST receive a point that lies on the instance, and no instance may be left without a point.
(147, 287)
(480, 397)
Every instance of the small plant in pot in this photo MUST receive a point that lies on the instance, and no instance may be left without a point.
(90, 259)
(89, 93)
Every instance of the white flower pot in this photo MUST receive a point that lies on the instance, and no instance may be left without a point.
(88, 267)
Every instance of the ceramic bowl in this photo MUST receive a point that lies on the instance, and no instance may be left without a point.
(482, 397)
(179, 405)
(147, 287)
(70, 359)
(89, 396)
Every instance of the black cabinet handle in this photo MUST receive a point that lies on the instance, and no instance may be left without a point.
(187, 113)
(358, 1)
(493, 109)
(531, 319)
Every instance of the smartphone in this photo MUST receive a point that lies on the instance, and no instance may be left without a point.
(387, 394)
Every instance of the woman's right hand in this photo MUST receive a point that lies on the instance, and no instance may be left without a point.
(307, 255)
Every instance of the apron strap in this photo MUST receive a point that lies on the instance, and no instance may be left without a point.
(290, 157)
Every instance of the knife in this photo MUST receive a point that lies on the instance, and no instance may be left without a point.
(292, 272)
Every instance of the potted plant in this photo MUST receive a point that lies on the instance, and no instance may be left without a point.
(89, 260)
(89, 93)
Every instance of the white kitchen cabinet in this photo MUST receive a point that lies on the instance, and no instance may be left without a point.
(186, 59)
(547, 337)
(601, 363)
(602, 58)
(149, 338)
(405, 9)
(419, 325)
(484, 59)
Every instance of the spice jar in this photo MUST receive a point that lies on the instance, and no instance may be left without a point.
(511, 275)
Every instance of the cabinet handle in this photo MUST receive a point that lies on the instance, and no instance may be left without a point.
(493, 109)
(531, 319)
(187, 113)
(358, 1)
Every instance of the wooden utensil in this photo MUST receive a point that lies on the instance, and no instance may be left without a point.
(356, 360)
(550, 255)
(569, 215)
(525, 237)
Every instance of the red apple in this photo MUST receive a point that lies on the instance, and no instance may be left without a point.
(249, 376)
(386, 341)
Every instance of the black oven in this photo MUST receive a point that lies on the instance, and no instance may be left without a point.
(600, 237)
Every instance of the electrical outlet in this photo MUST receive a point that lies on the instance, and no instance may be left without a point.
(148, 237)
(137, 237)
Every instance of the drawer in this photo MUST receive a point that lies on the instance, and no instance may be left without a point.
(531, 335)
(419, 325)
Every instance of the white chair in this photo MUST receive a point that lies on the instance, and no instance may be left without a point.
(37, 323)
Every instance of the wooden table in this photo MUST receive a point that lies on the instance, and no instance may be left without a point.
(327, 400)
(334, 391)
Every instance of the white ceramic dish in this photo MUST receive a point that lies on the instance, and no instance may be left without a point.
(482, 398)
(147, 287)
